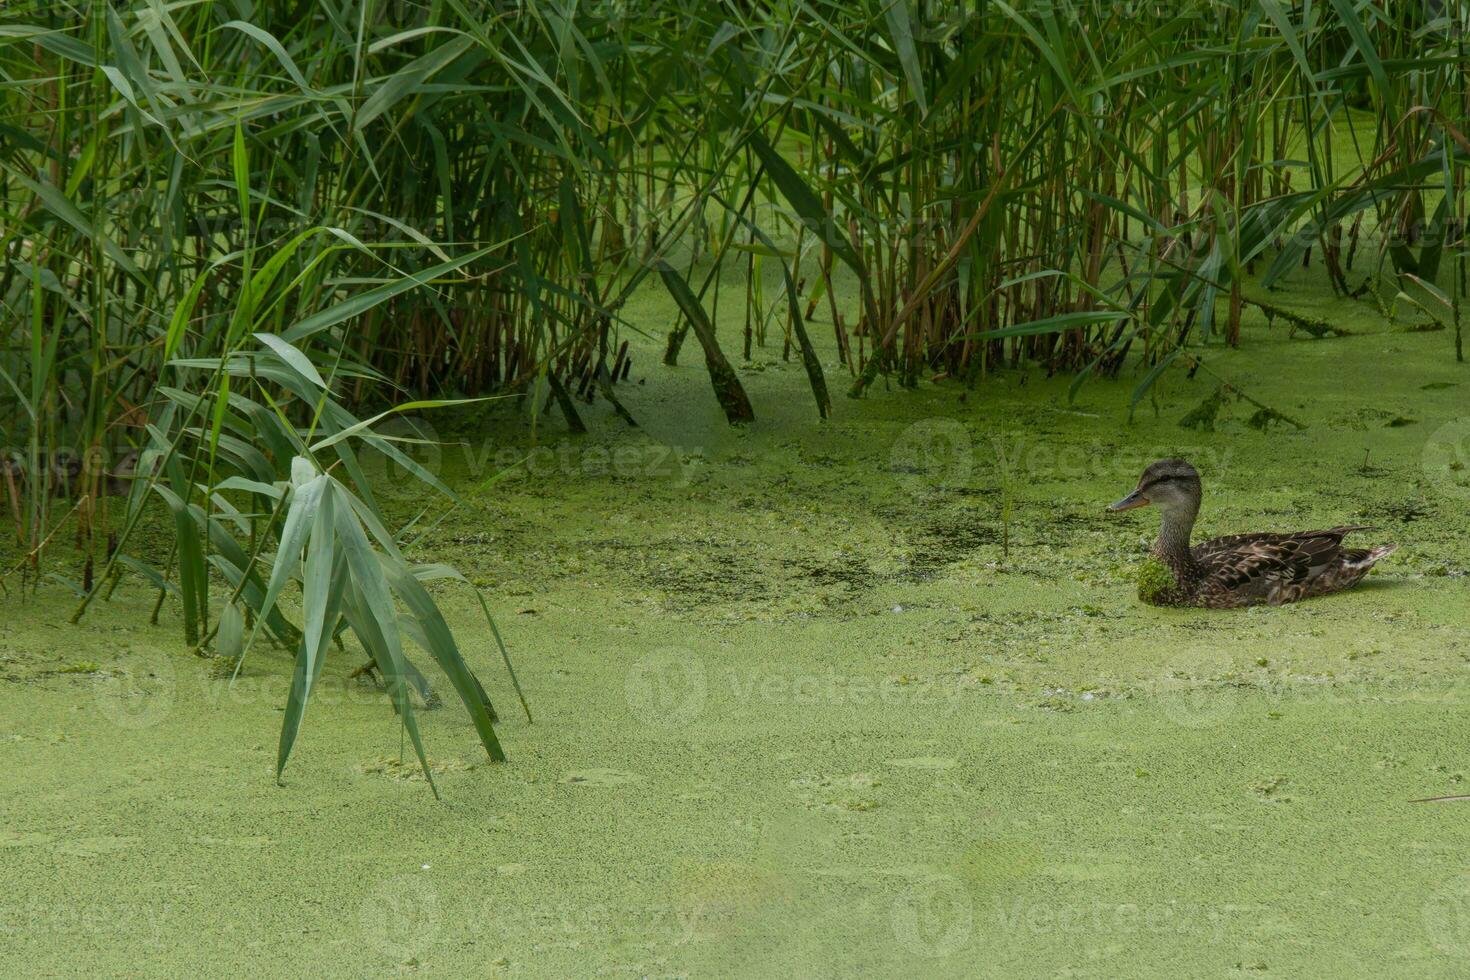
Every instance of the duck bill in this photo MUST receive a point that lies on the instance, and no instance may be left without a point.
(1134, 499)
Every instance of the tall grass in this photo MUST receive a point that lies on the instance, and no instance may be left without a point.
(230, 232)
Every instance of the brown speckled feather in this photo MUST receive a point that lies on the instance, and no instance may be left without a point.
(1247, 569)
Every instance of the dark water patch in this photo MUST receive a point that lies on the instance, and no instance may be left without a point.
(707, 576)
(1405, 511)
(1061, 529)
(823, 459)
(851, 573)
(945, 540)
(685, 573)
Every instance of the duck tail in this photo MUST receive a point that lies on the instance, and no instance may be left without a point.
(1382, 551)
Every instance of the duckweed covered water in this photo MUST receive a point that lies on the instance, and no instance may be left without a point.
(808, 702)
(1154, 581)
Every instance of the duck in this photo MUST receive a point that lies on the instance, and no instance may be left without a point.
(1240, 569)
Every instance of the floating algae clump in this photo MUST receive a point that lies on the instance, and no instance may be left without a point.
(81, 667)
(1155, 582)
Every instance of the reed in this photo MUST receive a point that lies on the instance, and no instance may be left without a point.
(231, 240)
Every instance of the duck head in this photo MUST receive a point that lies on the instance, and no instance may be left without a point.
(1172, 485)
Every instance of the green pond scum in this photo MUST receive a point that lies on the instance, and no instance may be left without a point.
(1154, 581)
(784, 368)
(799, 710)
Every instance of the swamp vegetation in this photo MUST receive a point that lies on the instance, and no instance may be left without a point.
(752, 378)
(236, 238)
(795, 708)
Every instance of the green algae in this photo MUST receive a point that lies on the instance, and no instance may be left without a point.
(797, 709)
(80, 667)
(1155, 582)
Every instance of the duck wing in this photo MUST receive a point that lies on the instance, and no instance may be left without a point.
(1246, 563)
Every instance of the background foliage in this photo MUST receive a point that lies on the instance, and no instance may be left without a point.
(231, 230)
